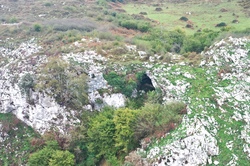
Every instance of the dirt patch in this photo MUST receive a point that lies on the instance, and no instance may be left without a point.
(116, 6)
(128, 33)
(223, 10)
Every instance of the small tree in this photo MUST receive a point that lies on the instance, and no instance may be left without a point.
(124, 120)
(51, 156)
(62, 158)
(37, 27)
(62, 81)
(26, 84)
(41, 158)
(101, 133)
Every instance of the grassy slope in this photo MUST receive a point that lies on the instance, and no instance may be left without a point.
(201, 98)
(204, 15)
(16, 147)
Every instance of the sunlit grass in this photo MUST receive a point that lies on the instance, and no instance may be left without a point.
(203, 15)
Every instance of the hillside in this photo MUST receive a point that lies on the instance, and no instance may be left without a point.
(119, 83)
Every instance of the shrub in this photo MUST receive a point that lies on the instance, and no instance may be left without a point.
(101, 133)
(136, 25)
(184, 18)
(222, 24)
(48, 4)
(62, 158)
(37, 27)
(52, 157)
(41, 157)
(114, 161)
(124, 135)
(13, 20)
(115, 80)
(155, 117)
(199, 41)
(143, 26)
(129, 24)
(68, 88)
(120, 84)
(26, 84)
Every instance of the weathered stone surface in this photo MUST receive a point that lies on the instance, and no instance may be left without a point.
(45, 113)
(195, 142)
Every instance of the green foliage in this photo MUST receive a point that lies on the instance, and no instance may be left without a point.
(155, 117)
(48, 4)
(136, 25)
(162, 41)
(120, 84)
(62, 158)
(50, 155)
(17, 147)
(137, 102)
(41, 158)
(124, 136)
(199, 41)
(115, 80)
(62, 82)
(13, 20)
(222, 24)
(37, 27)
(165, 41)
(129, 24)
(101, 133)
(26, 84)
(154, 96)
(52, 144)
(114, 161)
(110, 133)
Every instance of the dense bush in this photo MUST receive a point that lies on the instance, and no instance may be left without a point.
(162, 41)
(136, 25)
(124, 120)
(37, 27)
(52, 156)
(165, 41)
(120, 84)
(143, 26)
(155, 117)
(129, 24)
(26, 85)
(111, 133)
(115, 132)
(222, 24)
(62, 158)
(67, 87)
(101, 132)
(199, 41)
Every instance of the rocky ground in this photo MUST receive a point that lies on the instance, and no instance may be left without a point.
(215, 131)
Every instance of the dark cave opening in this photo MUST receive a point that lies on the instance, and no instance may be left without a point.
(145, 84)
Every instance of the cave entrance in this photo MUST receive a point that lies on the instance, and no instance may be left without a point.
(146, 84)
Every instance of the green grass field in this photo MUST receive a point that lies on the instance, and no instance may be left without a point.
(203, 15)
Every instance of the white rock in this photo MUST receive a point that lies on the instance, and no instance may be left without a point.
(216, 162)
(116, 100)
